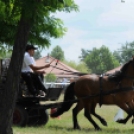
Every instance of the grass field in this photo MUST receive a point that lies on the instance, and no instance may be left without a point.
(64, 125)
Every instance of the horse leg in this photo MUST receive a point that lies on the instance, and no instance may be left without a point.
(75, 112)
(131, 105)
(126, 108)
(133, 119)
(98, 116)
(124, 121)
(88, 116)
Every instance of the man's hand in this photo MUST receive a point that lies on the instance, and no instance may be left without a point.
(43, 72)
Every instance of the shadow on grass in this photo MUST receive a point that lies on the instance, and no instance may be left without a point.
(60, 127)
(104, 130)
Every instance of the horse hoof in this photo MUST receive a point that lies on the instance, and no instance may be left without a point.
(132, 121)
(121, 121)
(104, 123)
(77, 127)
(98, 129)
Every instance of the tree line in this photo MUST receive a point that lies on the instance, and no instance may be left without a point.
(98, 60)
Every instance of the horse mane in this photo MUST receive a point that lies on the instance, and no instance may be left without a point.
(125, 66)
(118, 75)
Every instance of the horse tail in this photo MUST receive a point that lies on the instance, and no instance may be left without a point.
(68, 101)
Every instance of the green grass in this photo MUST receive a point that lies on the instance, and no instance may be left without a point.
(64, 125)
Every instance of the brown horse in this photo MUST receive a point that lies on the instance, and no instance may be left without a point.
(108, 89)
(131, 104)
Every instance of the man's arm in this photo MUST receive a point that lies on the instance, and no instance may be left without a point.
(37, 68)
(40, 71)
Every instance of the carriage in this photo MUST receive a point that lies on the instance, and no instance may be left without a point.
(30, 110)
(116, 88)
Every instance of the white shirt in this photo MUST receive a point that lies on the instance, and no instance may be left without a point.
(28, 60)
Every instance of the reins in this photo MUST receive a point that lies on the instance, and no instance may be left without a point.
(71, 72)
(101, 93)
(112, 91)
(52, 68)
(58, 104)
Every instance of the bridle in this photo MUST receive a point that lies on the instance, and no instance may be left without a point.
(118, 84)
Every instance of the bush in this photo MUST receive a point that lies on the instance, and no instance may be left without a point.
(50, 77)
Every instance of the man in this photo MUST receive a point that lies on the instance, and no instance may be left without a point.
(32, 73)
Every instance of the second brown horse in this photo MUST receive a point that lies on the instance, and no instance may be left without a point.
(92, 89)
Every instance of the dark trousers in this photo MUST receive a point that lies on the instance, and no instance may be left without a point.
(34, 82)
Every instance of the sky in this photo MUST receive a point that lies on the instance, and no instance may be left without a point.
(98, 22)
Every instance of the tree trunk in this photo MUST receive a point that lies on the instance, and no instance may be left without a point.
(9, 93)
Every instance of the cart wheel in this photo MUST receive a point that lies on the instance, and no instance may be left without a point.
(43, 118)
(38, 117)
(20, 116)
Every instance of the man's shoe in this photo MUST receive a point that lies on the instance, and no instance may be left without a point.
(42, 93)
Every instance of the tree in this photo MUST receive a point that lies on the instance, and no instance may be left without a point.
(57, 53)
(100, 60)
(37, 54)
(84, 53)
(5, 51)
(125, 52)
(82, 67)
(22, 22)
(43, 24)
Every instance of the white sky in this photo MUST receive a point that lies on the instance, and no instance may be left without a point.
(98, 22)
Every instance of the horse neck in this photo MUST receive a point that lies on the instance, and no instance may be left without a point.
(130, 72)
(128, 76)
(127, 83)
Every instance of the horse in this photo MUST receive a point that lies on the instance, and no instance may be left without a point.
(93, 89)
(124, 121)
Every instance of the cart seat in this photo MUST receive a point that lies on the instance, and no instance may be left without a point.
(53, 93)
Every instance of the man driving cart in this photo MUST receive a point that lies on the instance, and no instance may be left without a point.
(31, 73)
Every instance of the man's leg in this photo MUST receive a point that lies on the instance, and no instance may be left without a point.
(42, 77)
(39, 82)
(29, 82)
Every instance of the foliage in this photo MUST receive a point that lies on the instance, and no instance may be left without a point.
(37, 54)
(44, 25)
(84, 53)
(125, 52)
(50, 77)
(57, 53)
(82, 67)
(5, 51)
(100, 60)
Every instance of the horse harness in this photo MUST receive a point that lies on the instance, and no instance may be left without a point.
(101, 90)
(114, 90)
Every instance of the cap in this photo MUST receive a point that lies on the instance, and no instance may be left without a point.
(29, 47)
